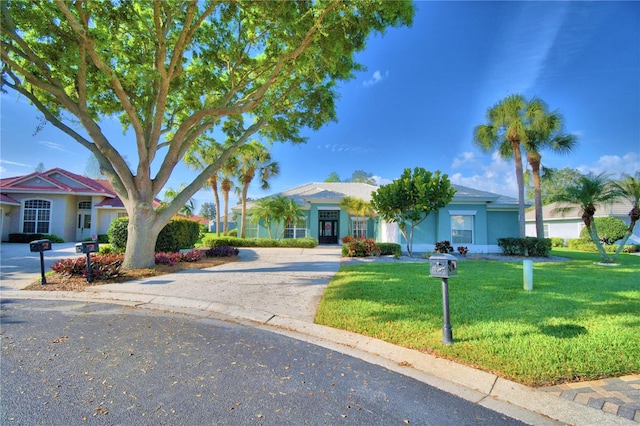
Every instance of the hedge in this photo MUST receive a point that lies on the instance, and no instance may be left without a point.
(28, 237)
(177, 234)
(212, 241)
(528, 246)
(581, 244)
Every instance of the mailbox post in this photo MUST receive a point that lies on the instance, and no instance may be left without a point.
(444, 266)
(88, 247)
(40, 246)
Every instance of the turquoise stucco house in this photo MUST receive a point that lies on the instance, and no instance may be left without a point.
(474, 219)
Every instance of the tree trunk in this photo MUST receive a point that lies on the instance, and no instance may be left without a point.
(225, 197)
(634, 215)
(141, 240)
(243, 220)
(517, 156)
(535, 168)
(213, 182)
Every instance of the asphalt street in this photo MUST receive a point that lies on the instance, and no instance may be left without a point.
(71, 362)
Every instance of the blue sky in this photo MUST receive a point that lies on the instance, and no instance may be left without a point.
(426, 88)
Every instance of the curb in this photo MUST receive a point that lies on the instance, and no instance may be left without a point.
(515, 400)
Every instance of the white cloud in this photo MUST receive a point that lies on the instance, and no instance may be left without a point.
(614, 165)
(498, 177)
(463, 159)
(381, 181)
(53, 145)
(376, 78)
(343, 148)
(13, 163)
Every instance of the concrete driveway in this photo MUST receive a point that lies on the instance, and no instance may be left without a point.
(19, 267)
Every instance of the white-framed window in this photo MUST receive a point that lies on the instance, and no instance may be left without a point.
(295, 230)
(546, 230)
(359, 227)
(84, 205)
(461, 229)
(122, 214)
(37, 214)
(251, 230)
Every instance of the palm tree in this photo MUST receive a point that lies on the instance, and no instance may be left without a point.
(546, 134)
(350, 204)
(254, 158)
(507, 125)
(290, 213)
(201, 154)
(629, 189)
(590, 191)
(263, 210)
(228, 171)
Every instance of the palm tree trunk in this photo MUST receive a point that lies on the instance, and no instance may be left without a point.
(535, 168)
(213, 182)
(245, 189)
(225, 197)
(634, 215)
(517, 156)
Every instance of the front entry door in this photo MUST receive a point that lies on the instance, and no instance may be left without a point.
(328, 232)
(84, 226)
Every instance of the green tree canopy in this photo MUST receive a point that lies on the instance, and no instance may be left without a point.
(553, 183)
(175, 71)
(591, 190)
(408, 200)
(208, 211)
(507, 126)
(333, 177)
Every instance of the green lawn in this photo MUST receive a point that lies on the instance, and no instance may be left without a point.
(580, 322)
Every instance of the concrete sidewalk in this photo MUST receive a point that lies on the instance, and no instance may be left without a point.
(279, 289)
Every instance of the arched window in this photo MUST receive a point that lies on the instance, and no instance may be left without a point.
(37, 214)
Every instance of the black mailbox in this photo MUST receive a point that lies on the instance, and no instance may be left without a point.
(87, 247)
(38, 246)
(443, 265)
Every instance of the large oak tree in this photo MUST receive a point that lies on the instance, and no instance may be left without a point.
(175, 71)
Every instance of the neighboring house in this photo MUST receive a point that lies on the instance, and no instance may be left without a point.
(58, 202)
(475, 219)
(231, 223)
(565, 220)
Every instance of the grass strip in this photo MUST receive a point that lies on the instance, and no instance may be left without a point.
(580, 322)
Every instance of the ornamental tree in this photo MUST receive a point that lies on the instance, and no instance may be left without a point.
(408, 200)
(174, 72)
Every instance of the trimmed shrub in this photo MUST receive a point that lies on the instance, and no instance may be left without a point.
(528, 246)
(589, 247)
(306, 242)
(390, 249)
(557, 242)
(610, 230)
(443, 247)
(212, 241)
(117, 234)
(28, 237)
(222, 251)
(361, 247)
(177, 234)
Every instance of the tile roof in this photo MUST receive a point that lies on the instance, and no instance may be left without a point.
(335, 191)
(563, 211)
(5, 199)
(56, 181)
